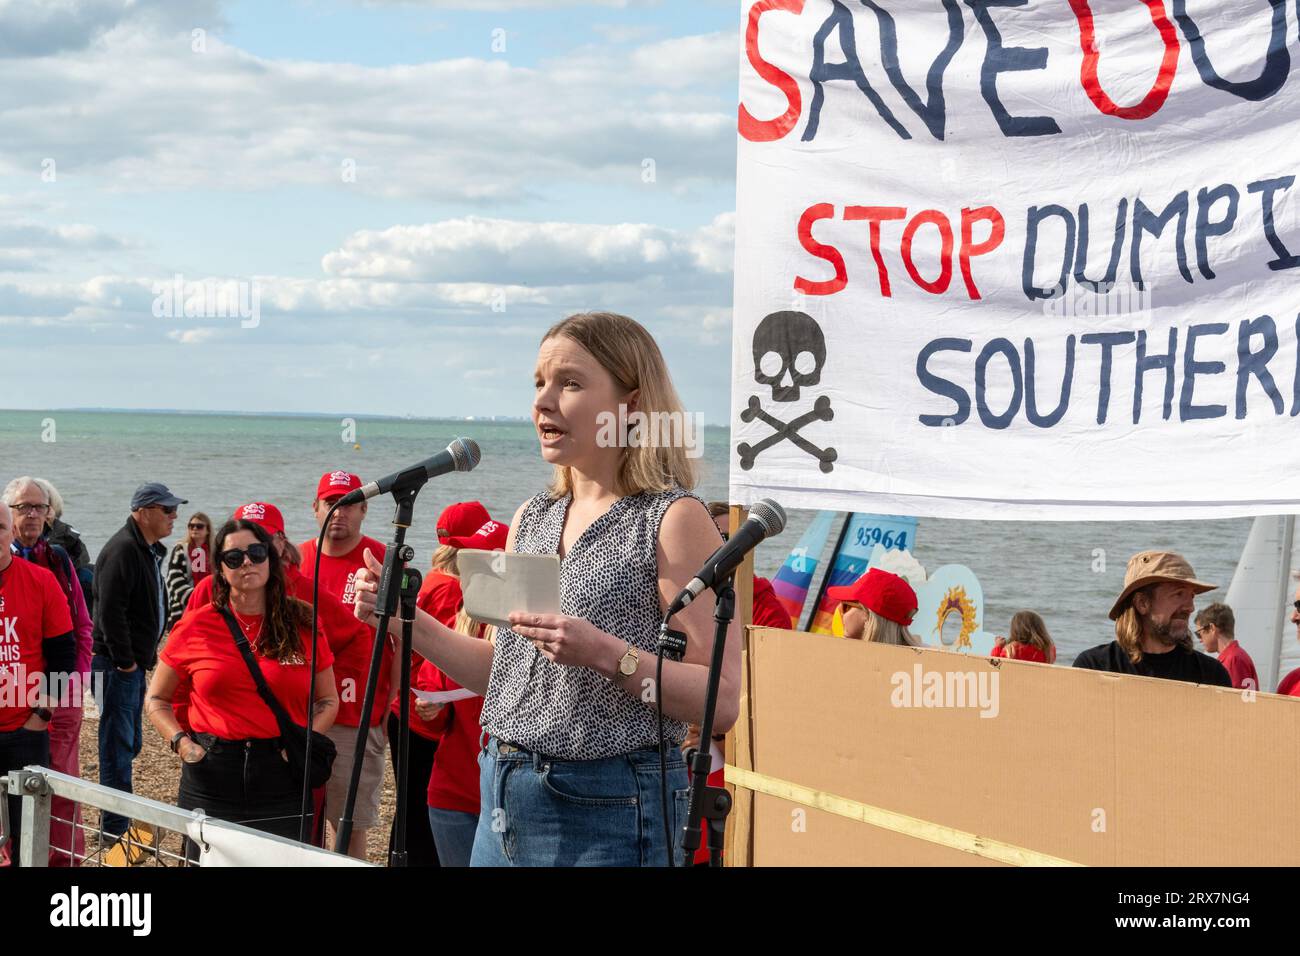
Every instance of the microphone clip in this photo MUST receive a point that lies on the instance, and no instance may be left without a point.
(671, 644)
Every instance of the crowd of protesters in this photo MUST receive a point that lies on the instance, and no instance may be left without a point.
(254, 698)
(246, 578)
(180, 614)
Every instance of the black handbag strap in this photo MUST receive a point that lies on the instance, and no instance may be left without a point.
(282, 718)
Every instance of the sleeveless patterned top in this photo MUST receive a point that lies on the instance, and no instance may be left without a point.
(610, 577)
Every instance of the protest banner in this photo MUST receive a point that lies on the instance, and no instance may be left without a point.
(1018, 260)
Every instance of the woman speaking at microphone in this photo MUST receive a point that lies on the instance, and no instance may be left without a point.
(570, 773)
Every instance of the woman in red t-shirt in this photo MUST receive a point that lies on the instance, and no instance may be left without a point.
(454, 783)
(233, 764)
(465, 524)
(1029, 640)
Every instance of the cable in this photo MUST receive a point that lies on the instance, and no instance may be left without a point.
(311, 675)
(663, 750)
(674, 643)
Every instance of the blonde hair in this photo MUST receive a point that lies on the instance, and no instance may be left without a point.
(881, 630)
(1128, 627)
(467, 625)
(444, 560)
(629, 353)
(1027, 627)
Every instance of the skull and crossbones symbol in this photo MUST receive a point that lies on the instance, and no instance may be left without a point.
(789, 352)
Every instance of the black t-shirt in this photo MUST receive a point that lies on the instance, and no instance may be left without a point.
(1180, 663)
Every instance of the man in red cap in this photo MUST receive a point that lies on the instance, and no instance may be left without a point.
(340, 559)
(1152, 638)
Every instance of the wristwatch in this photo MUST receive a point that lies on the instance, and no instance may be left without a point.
(627, 664)
(176, 740)
(44, 713)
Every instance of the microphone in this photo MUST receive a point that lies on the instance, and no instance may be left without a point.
(461, 455)
(766, 520)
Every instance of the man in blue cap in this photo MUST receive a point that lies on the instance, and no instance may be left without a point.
(129, 616)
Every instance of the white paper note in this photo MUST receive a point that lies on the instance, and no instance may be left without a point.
(494, 583)
(442, 696)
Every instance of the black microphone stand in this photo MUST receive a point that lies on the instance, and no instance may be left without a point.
(396, 581)
(710, 803)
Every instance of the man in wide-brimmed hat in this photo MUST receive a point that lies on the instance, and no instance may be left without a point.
(1151, 633)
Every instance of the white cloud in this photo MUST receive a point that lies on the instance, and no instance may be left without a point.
(480, 250)
(505, 4)
(192, 336)
(24, 235)
(712, 58)
(138, 110)
(623, 32)
(37, 28)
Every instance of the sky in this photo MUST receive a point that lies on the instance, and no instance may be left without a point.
(367, 206)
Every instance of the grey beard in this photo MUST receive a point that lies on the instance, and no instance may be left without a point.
(1162, 632)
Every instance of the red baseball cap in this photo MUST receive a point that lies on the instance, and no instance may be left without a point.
(460, 521)
(259, 512)
(887, 594)
(332, 484)
(491, 537)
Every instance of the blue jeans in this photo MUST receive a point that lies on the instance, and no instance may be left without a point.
(120, 699)
(453, 835)
(542, 812)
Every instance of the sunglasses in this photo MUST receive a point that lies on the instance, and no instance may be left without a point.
(1297, 605)
(198, 527)
(234, 558)
(32, 509)
(169, 512)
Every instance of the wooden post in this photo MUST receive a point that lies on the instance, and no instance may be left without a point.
(739, 847)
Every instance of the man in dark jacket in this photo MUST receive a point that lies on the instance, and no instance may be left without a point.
(128, 624)
(1152, 638)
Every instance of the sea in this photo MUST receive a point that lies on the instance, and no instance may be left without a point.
(1069, 572)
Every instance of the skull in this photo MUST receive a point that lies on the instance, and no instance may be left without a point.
(789, 351)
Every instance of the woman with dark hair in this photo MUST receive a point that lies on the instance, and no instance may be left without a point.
(570, 773)
(234, 764)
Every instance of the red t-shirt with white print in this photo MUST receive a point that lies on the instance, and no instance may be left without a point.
(33, 609)
(352, 666)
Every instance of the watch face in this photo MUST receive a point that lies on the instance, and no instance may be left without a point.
(627, 666)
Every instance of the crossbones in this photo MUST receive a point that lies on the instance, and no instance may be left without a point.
(821, 410)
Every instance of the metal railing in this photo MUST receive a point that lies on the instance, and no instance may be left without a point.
(160, 834)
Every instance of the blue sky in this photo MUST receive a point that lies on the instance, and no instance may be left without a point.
(414, 191)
